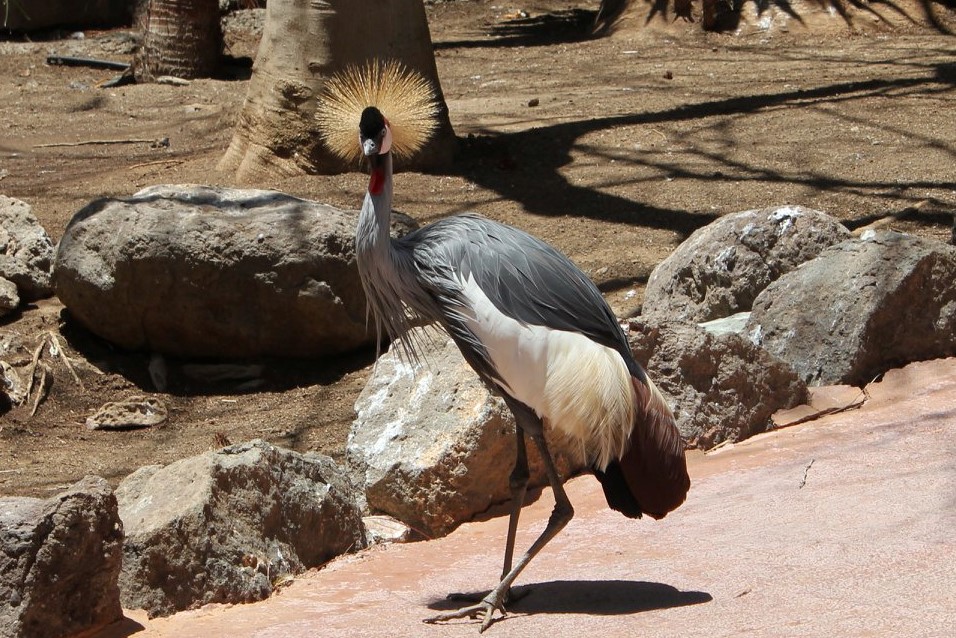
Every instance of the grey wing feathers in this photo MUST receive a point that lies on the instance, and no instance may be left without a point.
(524, 277)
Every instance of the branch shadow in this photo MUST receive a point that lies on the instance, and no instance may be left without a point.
(492, 159)
(578, 24)
(593, 597)
(559, 27)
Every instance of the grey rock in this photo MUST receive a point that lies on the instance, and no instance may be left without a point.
(13, 349)
(26, 251)
(9, 299)
(12, 387)
(432, 446)
(861, 308)
(134, 412)
(381, 529)
(721, 268)
(734, 324)
(60, 562)
(720, 387)
(225, 525)
(195, 271)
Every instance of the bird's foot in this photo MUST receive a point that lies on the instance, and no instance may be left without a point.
(495, 600)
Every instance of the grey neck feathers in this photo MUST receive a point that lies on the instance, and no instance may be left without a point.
(372, 236)
(384, 280)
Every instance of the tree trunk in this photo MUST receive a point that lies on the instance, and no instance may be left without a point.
(708, 14)
(181, 38)
(303, 43)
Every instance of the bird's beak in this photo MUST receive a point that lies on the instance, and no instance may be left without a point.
(369, 147)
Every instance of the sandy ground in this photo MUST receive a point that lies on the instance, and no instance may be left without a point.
(837, 527)
(637, 139)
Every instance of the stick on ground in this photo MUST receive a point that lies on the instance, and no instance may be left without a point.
(33, 366)
(66, 360)
(90, 142)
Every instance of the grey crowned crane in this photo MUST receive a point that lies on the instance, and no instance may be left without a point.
(531, 324)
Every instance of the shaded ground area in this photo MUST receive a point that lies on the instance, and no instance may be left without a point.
(838, 527)
(612, 149)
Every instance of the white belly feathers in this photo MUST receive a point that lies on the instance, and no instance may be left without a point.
(577, 386)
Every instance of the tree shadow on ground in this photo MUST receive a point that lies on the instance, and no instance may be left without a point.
(525, 166)
(593, 597)
(728, 14)
(546, 29)
(520, 29)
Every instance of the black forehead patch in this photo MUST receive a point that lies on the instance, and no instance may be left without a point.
(371, 123)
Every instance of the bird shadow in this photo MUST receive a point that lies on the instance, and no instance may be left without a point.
(593, 597)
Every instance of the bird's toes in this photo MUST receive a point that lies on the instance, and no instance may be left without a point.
(489, 618)
(486, 608)
(471, 611)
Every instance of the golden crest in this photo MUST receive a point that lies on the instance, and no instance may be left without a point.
(405, 98)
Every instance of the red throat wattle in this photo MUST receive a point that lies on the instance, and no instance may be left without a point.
(376, 181)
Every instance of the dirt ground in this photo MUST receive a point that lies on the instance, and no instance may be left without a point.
(612, 149)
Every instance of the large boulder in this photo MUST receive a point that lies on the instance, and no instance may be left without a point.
(432, 446)
(26, 251)
(196, 271)
(9, 297)
(226, 525)
(721, 387)
(721, 268)
(861, 308)
(60, 562)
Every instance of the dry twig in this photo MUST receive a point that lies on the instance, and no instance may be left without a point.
(856, 403)
(171, 162)
(33, 366)
(46, 380)
(66, 359)
(806, 471)
(90, 142)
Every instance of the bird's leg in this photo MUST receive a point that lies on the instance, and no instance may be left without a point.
(562, 513)
(518, 482)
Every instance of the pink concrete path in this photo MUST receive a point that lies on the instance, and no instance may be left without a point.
(842, 526)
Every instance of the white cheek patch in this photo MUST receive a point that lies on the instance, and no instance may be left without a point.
(386, 140)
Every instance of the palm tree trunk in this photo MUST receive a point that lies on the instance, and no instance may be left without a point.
(303, 43)
(181, 38)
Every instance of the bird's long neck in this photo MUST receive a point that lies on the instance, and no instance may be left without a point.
(372, 236)
(375, 256)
